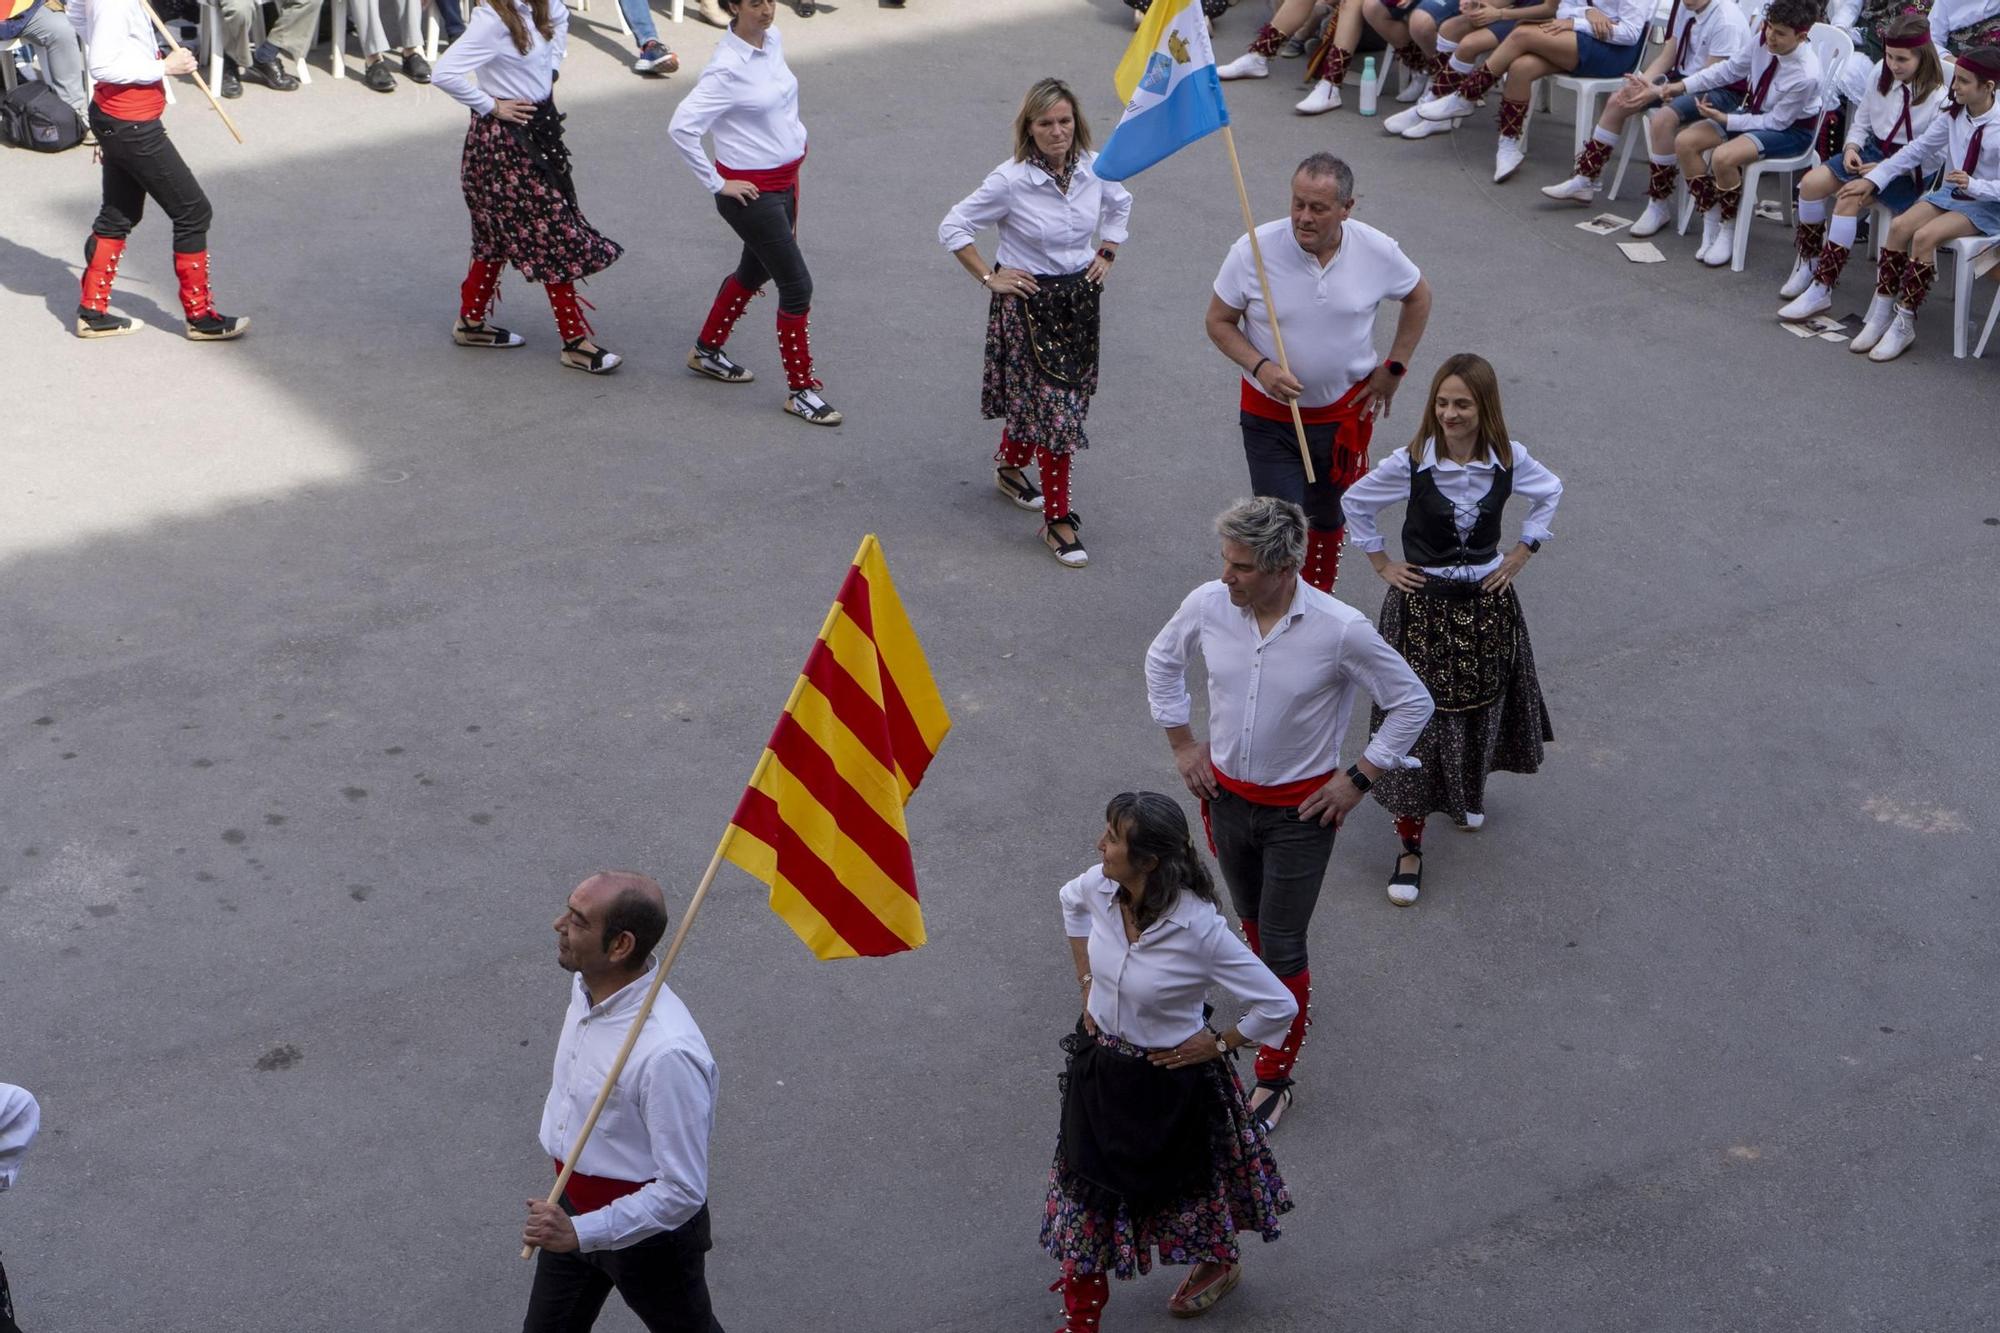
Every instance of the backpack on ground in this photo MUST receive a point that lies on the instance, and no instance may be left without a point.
(34, 116)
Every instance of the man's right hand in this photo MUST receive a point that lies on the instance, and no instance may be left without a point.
(180, 63)
(1278, 382)
(1197, 769)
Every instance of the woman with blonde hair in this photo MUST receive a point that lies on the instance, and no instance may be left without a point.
(516, 175)
(1059, 232)
(1451, 609)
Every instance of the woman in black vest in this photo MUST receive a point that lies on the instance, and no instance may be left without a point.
(1451, 609)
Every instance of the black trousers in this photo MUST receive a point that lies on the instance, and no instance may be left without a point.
(139, 160)
(7, 1324)
(770, 250)
(1272, 449)
(661, 1279)
(1273, 863)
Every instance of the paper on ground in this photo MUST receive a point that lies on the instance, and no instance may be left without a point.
(1642, 252)
(1603, 224)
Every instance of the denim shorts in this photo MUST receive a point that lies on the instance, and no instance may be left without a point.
(1439, 10)
(1901, 192)
(1602, 60)
(1722, 99)
(1779, 143)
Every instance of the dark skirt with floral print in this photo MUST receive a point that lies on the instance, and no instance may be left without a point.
(1243, 1192)
(1496, 720)
(1038, 410)
(520, 214)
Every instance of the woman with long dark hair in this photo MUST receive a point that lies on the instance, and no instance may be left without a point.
(1060, 228)
(1159, 1152)
(747, 99)
(1451, 610)
(516, 175)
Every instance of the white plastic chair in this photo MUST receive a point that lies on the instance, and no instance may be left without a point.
(1992, 317)
(337, 58)
(1964, 273)
(1590, 91)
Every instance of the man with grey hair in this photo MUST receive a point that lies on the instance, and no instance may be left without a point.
(1328, 275)
(1286, 665)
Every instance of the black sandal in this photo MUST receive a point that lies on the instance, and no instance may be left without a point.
(1279, 1088)
(1071, 552)
(1405, 885)
(1017, 488)
(468, 333)
(596, 361)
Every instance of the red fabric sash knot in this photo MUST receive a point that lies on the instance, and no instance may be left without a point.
(587, 1194)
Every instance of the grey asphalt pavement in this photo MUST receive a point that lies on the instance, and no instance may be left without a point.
(330, 660)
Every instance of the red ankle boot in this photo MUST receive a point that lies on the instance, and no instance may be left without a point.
(1084, 1298)
(204, 323)
(93, 303)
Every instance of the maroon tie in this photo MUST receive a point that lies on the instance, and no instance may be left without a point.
(1971, 167)
(1763, 86)
(1902, 131)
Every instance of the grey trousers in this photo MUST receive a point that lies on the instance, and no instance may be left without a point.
(371, 24)
(62, 56)
(1272, 862)
(293, 33)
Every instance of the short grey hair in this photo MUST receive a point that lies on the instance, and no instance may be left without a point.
(1321, 165)
(1273, 530)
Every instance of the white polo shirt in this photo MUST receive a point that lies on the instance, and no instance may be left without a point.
(1328, 312)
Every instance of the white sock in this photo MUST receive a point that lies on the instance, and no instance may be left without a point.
(1608, 138)
(1812, 210)
(1446, 46)
(1460, 67)
(1662, 159)
(1841, 230)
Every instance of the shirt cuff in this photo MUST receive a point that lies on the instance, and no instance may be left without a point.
(1733, 122)
(485, 105)
(591, 1231)
(1580, 24)
(1387, 759)
(1368, 545)
(1535, 532)
(1877, 178)
(1114, 235)
(1172, 715)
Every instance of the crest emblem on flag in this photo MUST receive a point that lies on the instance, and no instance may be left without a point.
(1159, 71)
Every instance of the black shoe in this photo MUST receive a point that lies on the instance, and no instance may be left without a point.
(1405, 885)
(99, 324)
(415, 68)
(378, 76)
(217, 328)
(806, 8)
(232, 84)
(271, 73)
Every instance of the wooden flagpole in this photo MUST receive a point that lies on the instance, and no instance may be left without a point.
(680, 937)
(1264, 282)
(174, 42)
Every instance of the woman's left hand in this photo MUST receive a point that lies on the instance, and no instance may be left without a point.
(1509, 567)
(513, 110)
(1196, 1050)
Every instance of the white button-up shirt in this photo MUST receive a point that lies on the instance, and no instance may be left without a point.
(1718, 32)
(485, 51)
(20, 1117)
(1950, 16)
(1628, 18)
(118, 41)
(656, 1125)
(1881, 114)
(1464, 485)
(1150, 993)
(1794, 94)
(1042, 230)
(1946, 142)
(748, 99)
(1328, 311)
(1279, 703)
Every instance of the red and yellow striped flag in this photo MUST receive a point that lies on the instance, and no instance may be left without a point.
(822, 819)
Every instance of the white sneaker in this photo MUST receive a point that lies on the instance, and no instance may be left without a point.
(1582, 189)
(1413, 88)
(1475, 820)
(1424, 129)
(1138, 18)
(1402, 120)
(1325, 96)
(1800, 280)
(1452, 106)
(1873, 325)
(1291, 49)
(1659, 212)
(1715, 240)
(1249, 65)
(1814, 300)
(1896, 339)
(1507, 158)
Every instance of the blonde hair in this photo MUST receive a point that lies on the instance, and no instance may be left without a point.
(1493, 444)
(1044, 95)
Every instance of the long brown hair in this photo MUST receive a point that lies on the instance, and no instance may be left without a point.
(1155, 828)
(1045, 94)
(1930, 74)
(517, 31)
(1493, 444)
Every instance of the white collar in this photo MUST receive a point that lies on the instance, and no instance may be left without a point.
(1438, 459)
(624, 999)
(1180, 914)
(743, 49)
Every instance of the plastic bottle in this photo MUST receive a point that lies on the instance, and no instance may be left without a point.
(1369, 86)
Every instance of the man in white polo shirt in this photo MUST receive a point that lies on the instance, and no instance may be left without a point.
(1328, 276)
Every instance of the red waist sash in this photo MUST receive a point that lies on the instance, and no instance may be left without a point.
(1285, 794)
(131, 101)
(587, 1194)
(1344, 408)
(766, 178)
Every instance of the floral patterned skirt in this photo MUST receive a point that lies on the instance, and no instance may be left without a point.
(1037, 410)
(1244, 1193)
(520, 216)
(1459, 748)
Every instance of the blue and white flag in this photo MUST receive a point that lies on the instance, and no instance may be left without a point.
(1172, 95)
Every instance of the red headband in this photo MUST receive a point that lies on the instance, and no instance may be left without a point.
(1983, 61)
(1916, 41)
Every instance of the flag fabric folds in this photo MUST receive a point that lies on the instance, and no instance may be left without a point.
(822, 819)
(1171, 93)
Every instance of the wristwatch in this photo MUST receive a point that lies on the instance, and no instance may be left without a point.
(1362, 782)
(1396, 368)
(1221, 1044)
(1108, 255)
(1533, 547)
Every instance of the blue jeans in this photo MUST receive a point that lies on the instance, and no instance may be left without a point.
(639, 18)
